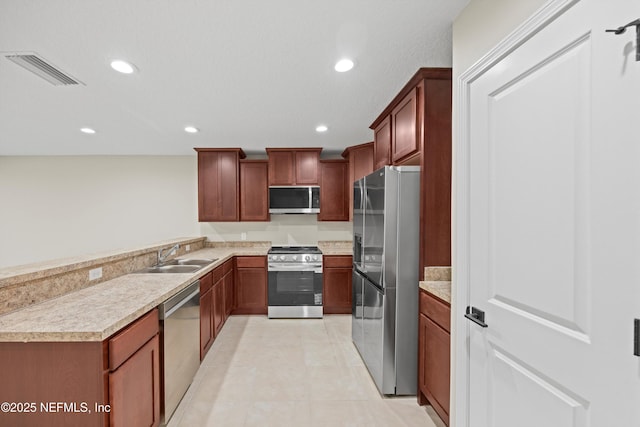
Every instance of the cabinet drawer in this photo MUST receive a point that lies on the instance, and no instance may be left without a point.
(206, 282)
(436, 310)
(134, 336)
(217, 274)
(251, 262)
(333, 261)
(227, 266)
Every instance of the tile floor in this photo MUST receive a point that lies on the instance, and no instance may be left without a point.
(291, 372)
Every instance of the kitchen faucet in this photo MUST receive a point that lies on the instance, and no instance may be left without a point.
(170, 251)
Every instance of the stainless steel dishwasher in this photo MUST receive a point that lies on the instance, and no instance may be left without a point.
(180, 342)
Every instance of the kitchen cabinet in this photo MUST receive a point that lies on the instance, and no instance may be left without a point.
(404, 131)
(229, 291)
(334, 194)
(251, 285)
(336, 284)
(206, 314)
(360, 159)
(254, 190)
(434, 354)
(218, 305)
(218, 184)
(299, 166)
(382, 143)
(415, 129)
(134, 377)
(117, 378)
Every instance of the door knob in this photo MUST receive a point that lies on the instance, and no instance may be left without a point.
(476, 316)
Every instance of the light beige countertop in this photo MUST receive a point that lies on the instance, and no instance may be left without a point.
(438, 282)
(97, 312)
(336, 247)
(440, 289)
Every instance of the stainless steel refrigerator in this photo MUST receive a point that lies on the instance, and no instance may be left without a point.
(386, 227)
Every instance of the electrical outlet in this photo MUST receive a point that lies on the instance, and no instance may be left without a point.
(243, 236)
(187, 248)
(95, 273)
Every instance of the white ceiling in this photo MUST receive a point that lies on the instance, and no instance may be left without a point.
(250, 74)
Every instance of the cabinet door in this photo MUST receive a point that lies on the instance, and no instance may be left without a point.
(207, 186)
(229, 293)
(436, 367)
(307, 167)
(134, 389)
(362, 160)
(281, 168)
(382, 144)
(337, 289)
(218, 181)
(228, 181)
(206, 322)
(218, 306)
(334, 194)
(254, 191)
(405, 140)
(251, 291)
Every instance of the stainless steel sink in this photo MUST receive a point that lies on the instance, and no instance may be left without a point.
(171, 269)
(185, 265)
(190, 261)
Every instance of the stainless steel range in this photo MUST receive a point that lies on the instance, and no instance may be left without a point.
(295, 282)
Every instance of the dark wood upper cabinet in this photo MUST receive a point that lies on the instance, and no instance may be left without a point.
(415, 129)
(254, 190)
(281, 167)
(334, 194)
(307, 167)
(218, 184)
(404, 131)
(382, 143)
(294, 166)
(360, 159)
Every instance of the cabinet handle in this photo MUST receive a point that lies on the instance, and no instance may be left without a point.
(476, 316)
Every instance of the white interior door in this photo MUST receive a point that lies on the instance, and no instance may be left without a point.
(551, 182)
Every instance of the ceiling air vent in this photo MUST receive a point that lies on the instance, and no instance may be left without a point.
(37, 65)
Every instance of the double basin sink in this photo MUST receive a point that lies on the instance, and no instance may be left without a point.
(178, 266)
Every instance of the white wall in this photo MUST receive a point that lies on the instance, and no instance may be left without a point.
(478, 28)
(282, 230)
(55, 207)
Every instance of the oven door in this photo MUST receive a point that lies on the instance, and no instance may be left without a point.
(289, 287)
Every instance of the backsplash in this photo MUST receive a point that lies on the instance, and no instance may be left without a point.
(281, 230)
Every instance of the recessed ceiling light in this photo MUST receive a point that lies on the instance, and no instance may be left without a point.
(191, 129)
(87, 130)
(123, 66)
(321, 128)
(344, 65)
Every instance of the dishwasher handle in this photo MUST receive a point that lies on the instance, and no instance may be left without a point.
(174, 303)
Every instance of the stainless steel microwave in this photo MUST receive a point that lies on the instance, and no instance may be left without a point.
(294, 200)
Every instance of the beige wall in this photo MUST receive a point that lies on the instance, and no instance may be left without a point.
(478, 28)
(55, 207)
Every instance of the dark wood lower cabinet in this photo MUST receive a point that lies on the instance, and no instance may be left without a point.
(434, 354)
(134, 388)
(336, 283)
(115, 382)
(251, 285)
(218, 306)
(229, 294)
(206, 325)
